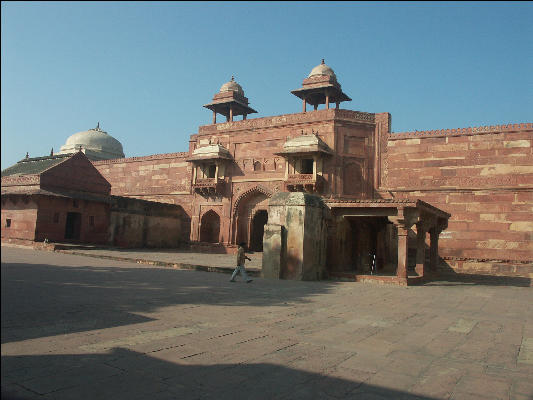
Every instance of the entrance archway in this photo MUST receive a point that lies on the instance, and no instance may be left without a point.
(210, 227)
(246, 208)
(258, 229)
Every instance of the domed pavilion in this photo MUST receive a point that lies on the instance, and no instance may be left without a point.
(321, 87)
(230, 102)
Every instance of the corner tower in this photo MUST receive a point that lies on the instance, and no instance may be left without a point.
(321, 87)
(230, 101)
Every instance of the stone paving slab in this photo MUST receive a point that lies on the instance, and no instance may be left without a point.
(77, 327)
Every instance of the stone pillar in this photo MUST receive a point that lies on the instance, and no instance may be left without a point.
(244, 117)
(231, 113)
(327, 102)
(316, 107)
(403, 221)
(214, 117)
(420, 249)
(249, 233)
(236, 230)
(401, 271)
(337, 105)
(434, 249)
(304, 102)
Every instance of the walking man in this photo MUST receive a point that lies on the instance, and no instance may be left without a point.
(241, 257)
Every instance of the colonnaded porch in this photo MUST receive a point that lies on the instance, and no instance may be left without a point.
(384, 240)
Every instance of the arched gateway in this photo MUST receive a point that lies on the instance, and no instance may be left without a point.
(210, 227)
(250, 216)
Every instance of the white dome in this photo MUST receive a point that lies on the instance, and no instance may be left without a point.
(322, 69)
(96, 143)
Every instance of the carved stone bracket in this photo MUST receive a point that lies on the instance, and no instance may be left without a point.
(405, 219)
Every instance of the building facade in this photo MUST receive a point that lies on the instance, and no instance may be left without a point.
(482, 177)
(458, 199)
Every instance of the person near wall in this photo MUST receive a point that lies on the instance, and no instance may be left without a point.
(241, 258)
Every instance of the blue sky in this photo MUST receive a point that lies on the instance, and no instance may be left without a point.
(144, 70)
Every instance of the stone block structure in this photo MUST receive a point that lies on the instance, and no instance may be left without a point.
(295, 237)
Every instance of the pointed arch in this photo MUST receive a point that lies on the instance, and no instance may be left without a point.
(250, 192)
(210, 227)
(244, 208)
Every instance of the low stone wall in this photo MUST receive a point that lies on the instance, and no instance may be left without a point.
(453, 265)
(214, 248)
(138, 223)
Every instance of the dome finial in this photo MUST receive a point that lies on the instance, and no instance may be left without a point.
(98, 126)
(232, 78)
(322, 62)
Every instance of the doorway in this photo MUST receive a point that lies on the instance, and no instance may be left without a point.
(73, 226)
(258, 230)
(210, 227)
(367, 244)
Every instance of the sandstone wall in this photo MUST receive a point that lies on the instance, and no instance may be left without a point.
(136, 223)
(23, 215)
(163, 178)
(482, 176)
(52, 217)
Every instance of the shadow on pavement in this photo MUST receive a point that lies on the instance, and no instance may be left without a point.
(447, 276)
(43, 300)
(485, 280)
(125, 374)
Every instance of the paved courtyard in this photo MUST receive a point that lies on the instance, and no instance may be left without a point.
(76, 327)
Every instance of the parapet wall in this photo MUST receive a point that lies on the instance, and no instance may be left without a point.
(482, 176)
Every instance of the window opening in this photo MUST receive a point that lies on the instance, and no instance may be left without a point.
(307, 166)
(211, 170)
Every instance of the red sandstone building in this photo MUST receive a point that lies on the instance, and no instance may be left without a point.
(458, 199)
